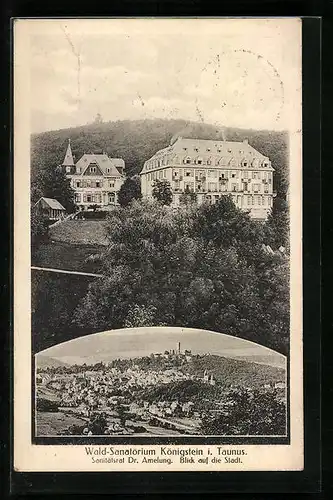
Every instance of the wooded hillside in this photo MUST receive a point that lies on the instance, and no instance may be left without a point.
(136, 141)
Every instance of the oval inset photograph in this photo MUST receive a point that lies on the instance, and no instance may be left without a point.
(160, 381)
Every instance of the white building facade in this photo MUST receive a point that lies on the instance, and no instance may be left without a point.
(95, 178)
(212, 169)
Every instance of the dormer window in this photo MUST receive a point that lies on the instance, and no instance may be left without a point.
(185, 149)
(208, 149)
(196, 149)
(199, 161)
(108, 170)
(187, 160)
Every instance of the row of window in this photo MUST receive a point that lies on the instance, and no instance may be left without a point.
(214, 186)
(248, 201)
(92, 198)
(92, 183)
(168, 159)
(214, 174)
(91, 170)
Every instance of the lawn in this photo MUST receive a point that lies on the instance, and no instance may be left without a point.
(55, 423)
(57, 255)
(80, 232)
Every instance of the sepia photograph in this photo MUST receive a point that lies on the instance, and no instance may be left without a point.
(162, 212)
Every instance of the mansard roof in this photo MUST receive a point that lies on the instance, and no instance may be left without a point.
(218, 152)
(108, 166)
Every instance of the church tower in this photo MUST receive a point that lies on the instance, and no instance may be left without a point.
(68, 163)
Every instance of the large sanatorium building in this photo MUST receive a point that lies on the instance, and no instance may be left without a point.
(212, 169)
(95, 178)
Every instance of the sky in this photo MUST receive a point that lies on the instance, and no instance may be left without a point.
(237, 73)
(136, 342)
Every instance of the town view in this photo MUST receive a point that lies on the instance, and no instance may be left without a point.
(171, 393)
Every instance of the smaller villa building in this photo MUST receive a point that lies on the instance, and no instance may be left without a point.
(95, 178)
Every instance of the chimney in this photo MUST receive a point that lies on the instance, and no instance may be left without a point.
(178, 347)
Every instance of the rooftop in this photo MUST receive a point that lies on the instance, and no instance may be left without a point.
(218, 152)
(54, 204)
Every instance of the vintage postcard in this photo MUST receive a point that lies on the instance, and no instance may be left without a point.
(158, 244)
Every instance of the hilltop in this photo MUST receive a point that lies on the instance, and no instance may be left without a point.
(48, 362)
(136, 141)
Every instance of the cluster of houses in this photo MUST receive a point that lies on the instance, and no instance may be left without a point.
(208, 168)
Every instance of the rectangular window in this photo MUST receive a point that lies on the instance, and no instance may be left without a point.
(92, 170)
(88, 184)
(233, 187)
(212, 186)
(245, 174)
(189, 173)
(98, 184)
(68, 170)
(254, 175)
(249, 200)
(78, 184)
(189, 186)
(77, 198)
(259, 200)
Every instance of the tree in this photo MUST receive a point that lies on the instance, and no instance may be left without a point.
(39, 228)
(277, 225)
(250, 413)
(187, 197)
(140, 316)
(162, 191)
(130, 190)
(200, 267)
(50, 181)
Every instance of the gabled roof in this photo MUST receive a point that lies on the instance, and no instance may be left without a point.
(68, 160)
(54, 204)
(103, 162)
